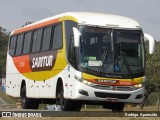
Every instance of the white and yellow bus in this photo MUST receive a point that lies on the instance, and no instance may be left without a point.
(78, 58)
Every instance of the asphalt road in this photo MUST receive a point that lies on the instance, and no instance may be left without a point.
(2, 102)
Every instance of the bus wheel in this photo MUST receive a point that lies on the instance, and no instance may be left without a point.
(34, 104)
(25, 102)
(28, 103)
(67, 105)
(118, 107)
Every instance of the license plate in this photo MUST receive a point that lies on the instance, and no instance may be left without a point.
(111, 99)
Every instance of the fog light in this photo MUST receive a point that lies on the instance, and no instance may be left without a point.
(83, 92)
(139, 96)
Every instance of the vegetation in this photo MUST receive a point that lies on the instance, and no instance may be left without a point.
(27, 23)
(153, 64)
(153, 75)
(4, 36)
(7, 99)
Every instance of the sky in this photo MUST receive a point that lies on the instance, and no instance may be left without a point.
(15, 13)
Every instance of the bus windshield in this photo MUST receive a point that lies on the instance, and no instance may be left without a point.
(109, 50)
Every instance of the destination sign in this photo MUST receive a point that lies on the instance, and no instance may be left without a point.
(95, 29)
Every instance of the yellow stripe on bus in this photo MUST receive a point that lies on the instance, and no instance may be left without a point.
(88, 77)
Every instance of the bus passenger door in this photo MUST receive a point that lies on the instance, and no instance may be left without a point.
(71, 81)
(71, 70)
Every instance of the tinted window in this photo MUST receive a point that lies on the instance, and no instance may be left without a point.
(69, 38)
(27, 43)
(72, 52)
(37, 38)
(19, 44)
(34, 41)
(12, 46)
(46, 38)
(57, 37)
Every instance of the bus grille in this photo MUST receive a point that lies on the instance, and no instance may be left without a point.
(117, 88)
(105, 95)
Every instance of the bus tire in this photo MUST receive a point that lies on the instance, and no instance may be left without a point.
(118, 107)
(66, 104)
(70, 105)
(25, 102)
(34, 103)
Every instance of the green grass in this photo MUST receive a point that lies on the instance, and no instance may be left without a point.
(6, 98)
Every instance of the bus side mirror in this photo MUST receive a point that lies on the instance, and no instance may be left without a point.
(151, 43)
(76, 36)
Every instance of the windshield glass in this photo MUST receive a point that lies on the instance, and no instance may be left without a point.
(111, 51)
(128, 49)
(96, 48)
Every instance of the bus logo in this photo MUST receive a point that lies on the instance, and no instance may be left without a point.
(107, 81)
(42, 61)
(113, 88)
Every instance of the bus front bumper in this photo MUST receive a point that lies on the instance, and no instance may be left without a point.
(84, 92)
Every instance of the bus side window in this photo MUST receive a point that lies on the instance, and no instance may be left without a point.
(46, 38)
(27, 42)
(70, 41)
(57, 37)
(37, 39)
(34, 40)
(19, 44)
(72, 52)
(12, 45)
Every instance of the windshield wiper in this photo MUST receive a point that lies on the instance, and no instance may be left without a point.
(127, 66)
(103, 59)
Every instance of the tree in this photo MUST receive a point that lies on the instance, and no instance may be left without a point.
(4, 36)
(27, 23)
(153, 64)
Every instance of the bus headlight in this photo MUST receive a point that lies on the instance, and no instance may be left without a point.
(86, 82)
(140, 85)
